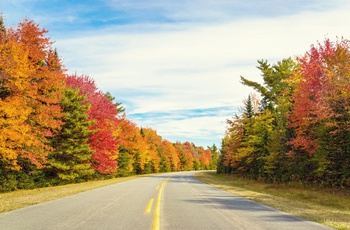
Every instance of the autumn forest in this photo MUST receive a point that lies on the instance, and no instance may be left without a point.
(298, 128)
(57, 128)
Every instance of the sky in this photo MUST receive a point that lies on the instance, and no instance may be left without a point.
(175, 65)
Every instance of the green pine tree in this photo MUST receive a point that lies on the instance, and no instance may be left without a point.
(249, 110)
(276, 94)
(70, 160)
(214, 156)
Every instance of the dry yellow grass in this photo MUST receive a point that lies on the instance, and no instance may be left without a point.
(320, 206)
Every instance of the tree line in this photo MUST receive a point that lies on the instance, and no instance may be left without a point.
(297, 128)
(57, 128)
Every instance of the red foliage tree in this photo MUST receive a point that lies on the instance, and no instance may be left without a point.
(318, 83)
(205, 157)
(104, 114)
(188, 152)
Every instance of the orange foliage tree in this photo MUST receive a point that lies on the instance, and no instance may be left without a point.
(186, 155)
(133, 148)
(32, 78)
(171, 160)
(153, 141)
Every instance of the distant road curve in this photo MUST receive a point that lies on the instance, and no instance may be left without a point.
(165, 201)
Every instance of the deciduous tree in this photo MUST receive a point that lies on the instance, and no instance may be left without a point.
(103, 113)
(31, 81)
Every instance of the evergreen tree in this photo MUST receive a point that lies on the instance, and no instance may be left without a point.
(249, 111)
(71, 158)
(124, 163)
(214, 156)
(276, 84)
(276, 101)
(118, 105)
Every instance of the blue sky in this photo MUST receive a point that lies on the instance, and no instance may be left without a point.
(176, 65)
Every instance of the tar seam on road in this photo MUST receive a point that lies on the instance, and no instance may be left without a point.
(156, 218)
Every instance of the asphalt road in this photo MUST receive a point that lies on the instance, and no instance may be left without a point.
(165, 201)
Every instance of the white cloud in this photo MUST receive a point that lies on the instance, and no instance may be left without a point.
(198, 126)
(208, 58)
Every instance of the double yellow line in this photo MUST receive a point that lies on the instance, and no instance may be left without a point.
(156, 217)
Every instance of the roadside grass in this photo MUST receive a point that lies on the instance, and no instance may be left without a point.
(19, 199)
(325, 207)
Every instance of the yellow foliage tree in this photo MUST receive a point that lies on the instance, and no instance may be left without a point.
(31, 82)
(15, 132)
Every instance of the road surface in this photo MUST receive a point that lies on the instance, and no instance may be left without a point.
(161, 202)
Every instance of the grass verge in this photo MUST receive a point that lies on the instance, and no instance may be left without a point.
(19, 199)
(316, 205)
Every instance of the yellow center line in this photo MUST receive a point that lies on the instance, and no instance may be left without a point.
(149, 206)
(156, 217)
